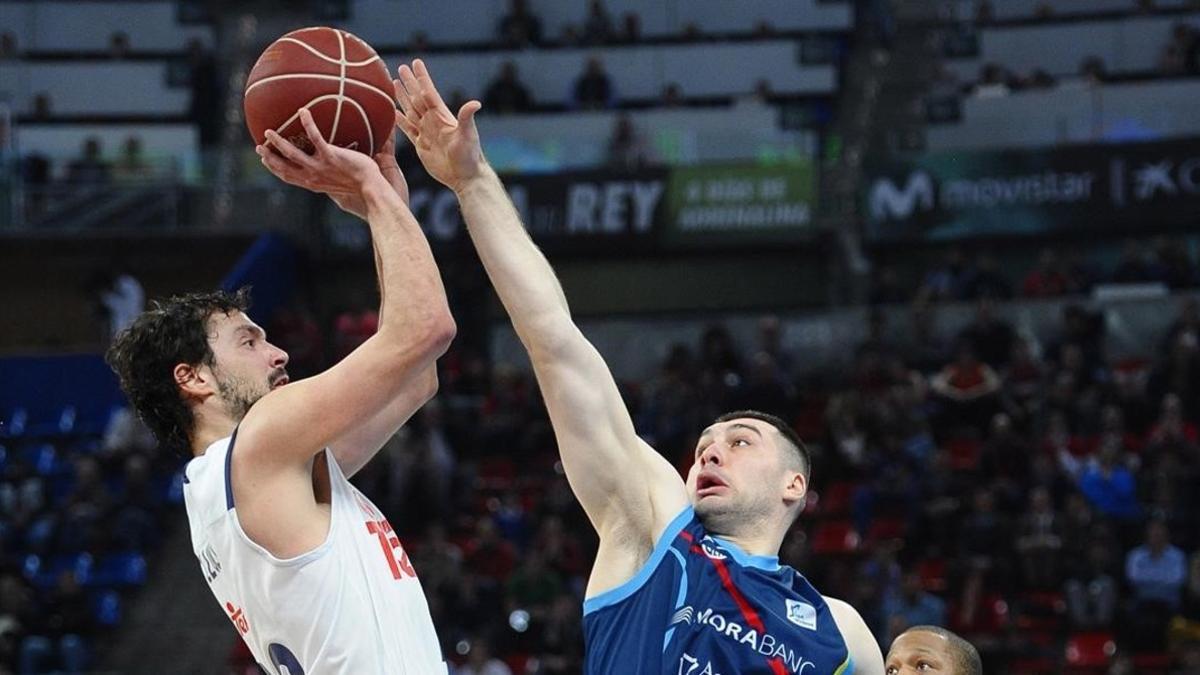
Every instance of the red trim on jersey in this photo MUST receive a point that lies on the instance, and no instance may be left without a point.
(747, 611)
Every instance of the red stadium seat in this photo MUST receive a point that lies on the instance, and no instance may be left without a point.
(1089, 652)
(1152, 663)
(933, 574)
(834, 501)
(836, 538)
(964, 453)
(886, 529)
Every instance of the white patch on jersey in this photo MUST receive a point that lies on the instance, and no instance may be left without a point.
(802, 614)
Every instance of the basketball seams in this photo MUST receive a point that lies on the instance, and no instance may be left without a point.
(317, 76)
(329, 59)
(341, 95)
(312, 46)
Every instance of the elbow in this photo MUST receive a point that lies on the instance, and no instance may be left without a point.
(429, 385)
(439, 334)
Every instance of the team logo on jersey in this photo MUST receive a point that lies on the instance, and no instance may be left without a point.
(802, 614)
(684, 615)
(712, 551)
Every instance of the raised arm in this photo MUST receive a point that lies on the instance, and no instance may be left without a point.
(625, 487)
(358, 446)
(273, 479)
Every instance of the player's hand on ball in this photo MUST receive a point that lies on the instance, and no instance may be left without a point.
(328, 169)
(386, 159)
(448, 145)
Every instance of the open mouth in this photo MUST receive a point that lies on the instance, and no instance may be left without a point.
(279, 382)
(709, 483)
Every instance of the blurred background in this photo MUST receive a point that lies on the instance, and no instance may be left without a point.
(952, 241)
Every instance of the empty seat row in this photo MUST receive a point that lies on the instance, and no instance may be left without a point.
(1128, 45)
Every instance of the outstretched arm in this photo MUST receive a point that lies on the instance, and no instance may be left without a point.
(627, 489)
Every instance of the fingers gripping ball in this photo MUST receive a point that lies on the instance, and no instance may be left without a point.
(337, 76)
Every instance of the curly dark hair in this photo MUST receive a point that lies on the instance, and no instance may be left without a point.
(144, 357)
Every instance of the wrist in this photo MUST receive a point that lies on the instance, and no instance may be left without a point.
(376, 192)
(484, 175)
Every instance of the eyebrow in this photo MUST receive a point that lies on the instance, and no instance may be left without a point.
(250, 328)
(735, 425)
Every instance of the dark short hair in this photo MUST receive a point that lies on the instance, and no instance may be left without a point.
(964, 654)
(782, 427)
(144, 357)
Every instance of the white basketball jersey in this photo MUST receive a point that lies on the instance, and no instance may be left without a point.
(352, 606)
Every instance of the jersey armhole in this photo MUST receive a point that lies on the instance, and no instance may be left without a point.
(615, 595)
(295, 561)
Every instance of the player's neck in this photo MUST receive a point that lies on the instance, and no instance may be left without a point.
(758, 544)
(211, 426)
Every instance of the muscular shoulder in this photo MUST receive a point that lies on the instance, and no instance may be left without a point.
(864, 649)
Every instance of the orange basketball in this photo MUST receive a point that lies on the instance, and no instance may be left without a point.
(334, 74)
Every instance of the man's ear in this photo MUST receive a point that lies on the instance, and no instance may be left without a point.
(194, 381)
(797, 488)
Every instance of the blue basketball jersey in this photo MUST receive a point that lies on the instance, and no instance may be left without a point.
(702, 606)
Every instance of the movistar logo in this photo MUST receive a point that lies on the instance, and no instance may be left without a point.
(887, 201)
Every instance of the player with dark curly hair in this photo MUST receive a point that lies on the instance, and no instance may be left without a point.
(304, 565)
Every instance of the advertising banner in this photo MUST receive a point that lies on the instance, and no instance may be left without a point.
(1116, 187)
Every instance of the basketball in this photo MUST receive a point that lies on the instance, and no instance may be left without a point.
(337, 76)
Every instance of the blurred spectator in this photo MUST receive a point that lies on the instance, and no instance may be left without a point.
(984, 531)
(520, 28)
(949, 280)
(533, 586)
(1107, 483)
(1047, 279)
(631, 28)
(1093, 71)
(886, 287)
(118, 45)
(672, 96)
(987, 282)
(561, 638)
(968, 388)
(43, 108)
(925, 348)
(1039, 541)
(1185, 626)
(1092, 592)
(489, 556)
(9, 47)
(121, 299)
(295, 330)
(593, 90)
(1156, 572)
(506, 94)
(206, 100)
(1177, 55)
(912, 606)
(626, 149)
(1172, 264)
(1188, 323)
(35, 174)
(419, 45)
(131, 166)
(989, 336)
(1132, 267)
(481, 662)
(90, 168)
(993, 82)
(597, 27)
(352, 328)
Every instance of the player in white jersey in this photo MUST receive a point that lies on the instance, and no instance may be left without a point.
(304, 565)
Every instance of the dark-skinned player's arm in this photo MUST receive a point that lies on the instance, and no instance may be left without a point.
(280, 435)
(630, 493)
(359, 445)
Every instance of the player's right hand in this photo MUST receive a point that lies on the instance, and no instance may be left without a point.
(448, 146)
(329, 169)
